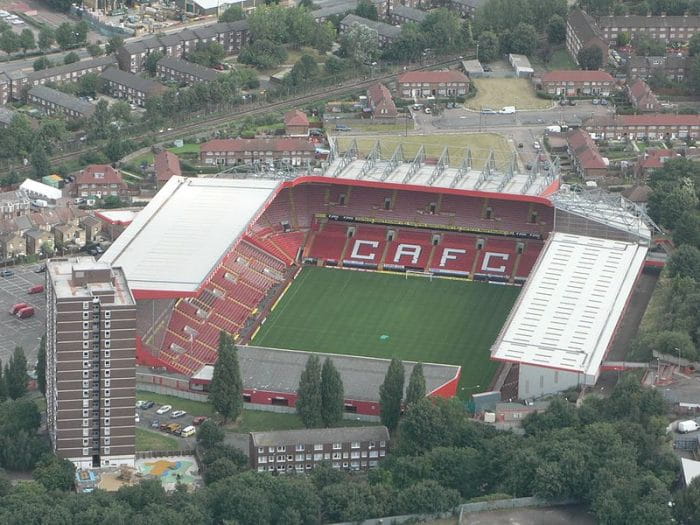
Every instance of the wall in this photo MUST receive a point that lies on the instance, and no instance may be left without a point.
(536, 381)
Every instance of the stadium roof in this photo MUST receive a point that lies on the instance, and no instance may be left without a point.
(275, 370)
(173, 244)
(565, 318)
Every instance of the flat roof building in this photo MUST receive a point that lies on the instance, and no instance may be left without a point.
(90, 362)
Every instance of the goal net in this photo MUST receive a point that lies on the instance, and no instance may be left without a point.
(418, 273)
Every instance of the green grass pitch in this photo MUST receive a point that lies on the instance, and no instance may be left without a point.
(351, 312)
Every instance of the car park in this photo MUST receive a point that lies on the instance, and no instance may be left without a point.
(178, 413)
(164, 410)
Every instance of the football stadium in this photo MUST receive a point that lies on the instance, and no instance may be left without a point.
(466, 269)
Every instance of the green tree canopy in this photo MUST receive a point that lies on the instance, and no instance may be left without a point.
(590, 58)
(685, 262)
(26, 40)
(232, 14)
(309, 397)
(416, 385)
(489, 46)
(332, 394)
(16, 377)
(366, 9)
(210, 434)
(391, 395)
(226, 390)
(360, 44)
(556, 29)
(55, 473)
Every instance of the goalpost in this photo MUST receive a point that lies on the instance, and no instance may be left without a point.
(419, 273)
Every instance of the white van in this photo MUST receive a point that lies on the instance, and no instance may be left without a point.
(188, 431)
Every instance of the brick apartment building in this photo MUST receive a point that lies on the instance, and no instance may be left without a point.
(575, 82)
(14, 203)
(343, 8)
(53, 102)
(582, 32)
(400, 14)
(11, 85)
(132, 88)
(231, 35)
(380, 102)
(466, 8)
(183, 71)
(642, 97)
(421, 84)
(294, 151)
(100, 180)
(651, 125)
(70, 72)
(673, 68)
(386, 33)
(90, 362)
(299, 451)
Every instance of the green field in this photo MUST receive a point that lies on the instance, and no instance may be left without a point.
(349, 312)
(147, 440)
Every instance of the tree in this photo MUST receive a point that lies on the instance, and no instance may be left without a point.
(694, 45)
(226, 390)
(269, 23)
(46, 39)
(694, 74)
(590, 58)
(41, 365)
(209, 434)
(324, 37)
(9, 42)
(80, 30)
(409, 45)
(232, 14)
(152, 59)
(16, 377)
(209, 54)
(95, 50)
(685, 262)
(427, 497)
(687, 503)
(687, 229)
(391, 394)
(556, 29)
(360, 44)
(26, 40)
(71, 57)
(523, 39)
(64, 35)
(3, 386)
(60, 5)
(263, 54)
(623, 39)
(55, 473)
(442, 30)
(367, 9)
(113, 44)
(88, 85)
(309, 400)
(489, 46)
(416, 385)
(301, 27)
(41, 166)
(41, 63)
(332, 395)
(304, 72)
(220, 469)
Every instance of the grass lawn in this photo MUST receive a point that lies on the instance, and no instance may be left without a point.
(185, 148)
(496, 93)
(147, 440)
(440, 321)
(480, 143)
(373, 127)
(560, 59)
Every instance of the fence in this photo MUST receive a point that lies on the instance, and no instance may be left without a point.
(164, 453)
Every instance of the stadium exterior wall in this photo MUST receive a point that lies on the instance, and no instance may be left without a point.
(537, 381)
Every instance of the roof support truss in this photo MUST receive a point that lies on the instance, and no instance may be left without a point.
(374, 156)
(415, 165)
(442, 163)
(346, 158)
(396, 158)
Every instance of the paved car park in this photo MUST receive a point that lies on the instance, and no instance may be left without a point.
(21, 332)
(146, 417)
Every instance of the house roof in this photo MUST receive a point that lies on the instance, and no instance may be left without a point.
(75, 66)
(577, 75)
(189, 68)
(240, 145)
(62, 99)
(691, 470)
(6, 115)
(637, 193)
(583, 25)
(185, 230)
(279, 370)
(381, 28)
(451, 75)
(634, 21)
(296, 117)
(124, 78)
(335, 9)
(99, 174)
(638, 88)
(378, 93)
(409, 13)
(655, 158)
(37, 234)
(34, 187)
(166, 165)
(585, 149)
(14, 196)
(566, 315)
(319, 436)
(646, 119)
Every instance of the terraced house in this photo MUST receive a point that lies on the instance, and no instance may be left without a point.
(130, 87)
(386, 33)
(294, 151)
(70, 72)
(182, 71)
(651, 125)
(574, 83)
(53, 102)
(421, 84)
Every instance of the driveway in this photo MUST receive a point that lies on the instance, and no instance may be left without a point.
(21, 332)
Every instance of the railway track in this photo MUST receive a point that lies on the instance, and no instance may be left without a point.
(257, 109)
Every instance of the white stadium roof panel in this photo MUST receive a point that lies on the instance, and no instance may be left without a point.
(566, 316)
(173, 244)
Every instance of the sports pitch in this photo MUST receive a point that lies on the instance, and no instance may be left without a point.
(387, 315)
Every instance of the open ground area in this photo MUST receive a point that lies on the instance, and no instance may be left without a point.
(495, 93)
(386, 315)
(148, 440)
(479, 143)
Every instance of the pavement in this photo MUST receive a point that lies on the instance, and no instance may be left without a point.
(21, 332)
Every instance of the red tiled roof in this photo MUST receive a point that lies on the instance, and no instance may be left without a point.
(108, 175)
(638, 88)
(379, 94)
(433, 76)
(281, 144)
(585, 150)
(656, 158)
(577, 75)
(166, 164)
(295, 118)
(659, 119)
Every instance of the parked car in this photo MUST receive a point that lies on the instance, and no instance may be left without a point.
(188, 431)
(178, 413)
(137, 419)
(428, 111)
(596, 101)
(537, 146)
(342, 127)
(40, 269)
(603, 101)
(36, 289)
(173, 428)
(687, 426)
(164, 410)
(17, 307)
(139, 404)
(199, 420)
(155, 423)
(24, 313)
(6, 273)
(572, 102)
(147, 404)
